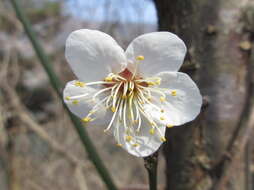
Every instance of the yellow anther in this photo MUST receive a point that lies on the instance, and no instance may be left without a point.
(170, 126)
(158, 82)
(135, 121)
(173, 92)
(162, 99)
(135, 145)
(152, 131)
(75, 102)
(108, 79)
(162, 118)
(162, 111)
(152, 123)
(67, 98)
(77, 83)
(128, 138)
(163, 139)
(149, 98)
(86, 119)
(140, 57)
(113, 109)
(81, 84)
(151, 83)
(120, 145)
(124, 96)
(130, 89)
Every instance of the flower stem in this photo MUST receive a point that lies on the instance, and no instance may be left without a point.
(57, 86)
(151, 163)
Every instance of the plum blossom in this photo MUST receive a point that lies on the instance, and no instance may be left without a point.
(136, 93)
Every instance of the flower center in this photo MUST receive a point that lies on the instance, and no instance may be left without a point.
(128, 97)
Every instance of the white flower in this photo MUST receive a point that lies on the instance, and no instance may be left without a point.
(137, 93)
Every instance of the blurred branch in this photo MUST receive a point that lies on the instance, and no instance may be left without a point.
(10, 17)
(57, 85)
(248, 162)
(151, 163)
(25, 117)
(243, 131)
(80, 178)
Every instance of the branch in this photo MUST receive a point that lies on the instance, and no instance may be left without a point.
(242, 133)
(151, 163)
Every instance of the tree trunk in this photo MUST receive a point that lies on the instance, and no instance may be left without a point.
(212, 30)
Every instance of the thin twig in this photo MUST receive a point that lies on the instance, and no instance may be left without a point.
(151, 163)
(248, 160)
(243, 131)
(80, 178)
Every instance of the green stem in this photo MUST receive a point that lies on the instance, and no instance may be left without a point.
(151, 163)
(57, 85)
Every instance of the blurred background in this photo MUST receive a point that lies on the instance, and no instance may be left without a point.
(39, 148)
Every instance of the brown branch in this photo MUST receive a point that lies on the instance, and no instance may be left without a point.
(242, 133)
(247, 164)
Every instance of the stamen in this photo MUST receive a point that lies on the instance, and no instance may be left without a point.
(80, 84)
(173, 92)
(158, 81)
(135, 145)
(127, 99)
(113, 109)
(128, 138)
(99, 82)
(76, 97)
(115, 94)
(113, 117)
(150, 83)
(140, 58)
(86, 119)
(120, 145)
(100, 91)
(170, 126)
(138, 118)
(75, 102)
(130, 108)
(162, 99)
(108, 79)
(163, 139)
(152, 131)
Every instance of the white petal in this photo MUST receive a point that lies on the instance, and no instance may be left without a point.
(186, 105)
(162, 51)
(92, 54)
(84, 104)
(147, 143)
